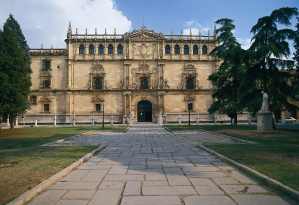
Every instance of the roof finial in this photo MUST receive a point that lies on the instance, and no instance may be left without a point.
(95, 31)
(76, 31)
(105, 31)
(69, 30)
(85, 31)
(114, 31)
(190, 31)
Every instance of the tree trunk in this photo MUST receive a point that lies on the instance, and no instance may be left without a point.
(235, 119)
(12, 121)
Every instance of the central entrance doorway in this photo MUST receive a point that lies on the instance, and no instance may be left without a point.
(144, 110)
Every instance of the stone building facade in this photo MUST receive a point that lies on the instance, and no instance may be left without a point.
(137, 76)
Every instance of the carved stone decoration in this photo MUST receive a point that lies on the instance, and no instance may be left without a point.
(188, 71)
(143, 34)
(143, 70)
(143, 50)
(45, 100)
(97, 70)
(189, 98)
(97, 99)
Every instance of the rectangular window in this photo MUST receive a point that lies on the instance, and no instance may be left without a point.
(144, 83)
(46, 107)
(190, 106)
(46, 83)
(98, 83)
(98, 107)
(190, 83)
(33, 100)
(46, 65)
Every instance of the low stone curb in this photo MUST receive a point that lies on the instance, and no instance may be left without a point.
(292, 193)
(30, 194)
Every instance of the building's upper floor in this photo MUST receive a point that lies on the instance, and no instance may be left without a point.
(74, 67)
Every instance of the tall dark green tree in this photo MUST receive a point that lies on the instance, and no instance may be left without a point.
(296, 59)
(227, 79)
(269, 53)
(14, 71)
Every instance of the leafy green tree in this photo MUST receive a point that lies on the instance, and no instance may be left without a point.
(227, 79)
(14, 71)
(268, 55)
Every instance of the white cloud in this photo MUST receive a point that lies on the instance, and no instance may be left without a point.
(195, 28)
(245, 42)
(45, 21)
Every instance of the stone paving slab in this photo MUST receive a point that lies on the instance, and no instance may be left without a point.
(150, 166)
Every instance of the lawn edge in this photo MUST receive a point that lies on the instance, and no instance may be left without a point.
(268, 181)
(30, 194)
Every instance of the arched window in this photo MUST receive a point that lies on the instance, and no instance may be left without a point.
(101, 50)
(204, 50)
(177, 50)
(195, 50)
(190, 83)
(120, 50)
(110, 49)
(186, 50)
(91, 49)
(81, 49)
(167, 50)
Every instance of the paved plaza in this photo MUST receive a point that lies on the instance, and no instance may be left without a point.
(150, 166)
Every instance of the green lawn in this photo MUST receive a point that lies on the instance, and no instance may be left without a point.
(24, 163)
(275, 154)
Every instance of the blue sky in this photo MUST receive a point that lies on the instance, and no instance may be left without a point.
(174, 15)
(45, 22)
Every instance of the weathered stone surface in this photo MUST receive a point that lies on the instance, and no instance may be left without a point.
(208, 200)
(72, 202)
(243, 189)
(48, 198)
(168, 190)
(106, 197)
(132, 188)
(151, 200)
(209, 190)
(80, 194)
(259, 200)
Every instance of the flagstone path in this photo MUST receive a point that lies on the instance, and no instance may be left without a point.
(150, 166)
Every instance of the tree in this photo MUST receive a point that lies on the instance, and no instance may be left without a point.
(14, 71)
(269, 54)
(296, 59)
(228, 77)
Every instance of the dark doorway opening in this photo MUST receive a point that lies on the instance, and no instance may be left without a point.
(144, 110)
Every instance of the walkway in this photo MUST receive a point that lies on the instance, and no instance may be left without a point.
(149, 166)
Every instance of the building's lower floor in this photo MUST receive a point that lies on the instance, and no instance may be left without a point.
(89, 107)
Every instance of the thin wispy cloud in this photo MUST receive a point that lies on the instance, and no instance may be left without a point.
(195, 28)
(45, 21)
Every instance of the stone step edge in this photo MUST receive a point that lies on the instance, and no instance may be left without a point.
(30, 194)
(268, 181)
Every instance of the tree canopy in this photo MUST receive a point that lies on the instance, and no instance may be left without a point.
(14, 71)
(228, 77)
